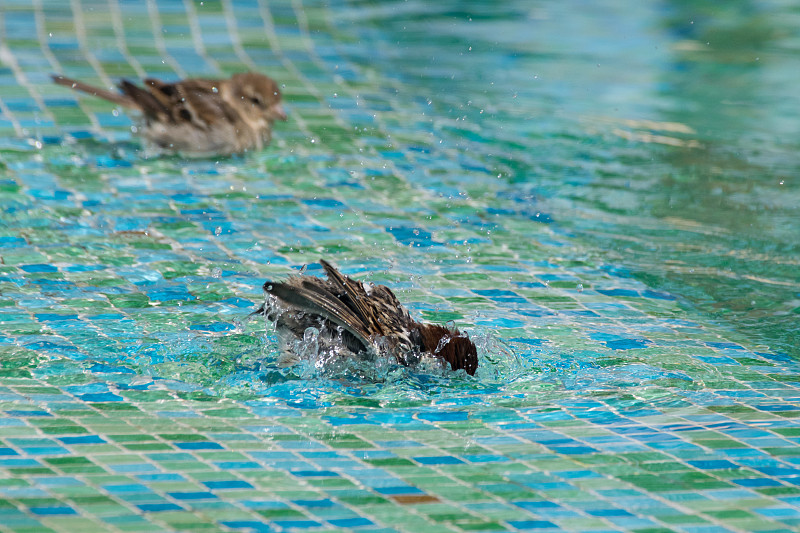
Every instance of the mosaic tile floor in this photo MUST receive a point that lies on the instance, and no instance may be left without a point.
(134, 396)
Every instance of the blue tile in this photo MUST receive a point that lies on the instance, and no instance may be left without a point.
(45, 450)
(59, 481)
(713, 464)
(193, 495)
(485, 458)
(531, 524)
(21, 462)
(101, 397)
(314, 473)
(127, 488)
(757, 482)
(298, 524)
(159, 477)
(199, 446)
(26, 413)
(37, 268)
(394, 490)
(440, 460)
(49, 511)
(351, 522)
(264, 504)
(158, 507)
(315, 503)
(609, 512)
(250, 525)
(88, 439)
(238, 465)
(229, 484)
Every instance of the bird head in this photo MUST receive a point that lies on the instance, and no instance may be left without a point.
(451, 345)
(259, 94)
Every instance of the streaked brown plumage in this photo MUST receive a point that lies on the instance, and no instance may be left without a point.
(199, 117)
(368, 318)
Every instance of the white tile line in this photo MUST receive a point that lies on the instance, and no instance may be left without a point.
(55, 65)
(424, 195)
(8, 115)
(230, 20)
(197, 35)
(119, 31)
(242, 55)
(80, 34)
(7, 57)
(39, 18)
(233, 33)
(158, 39)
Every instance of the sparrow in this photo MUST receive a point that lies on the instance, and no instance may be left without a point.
(199, 117)
(360, 319)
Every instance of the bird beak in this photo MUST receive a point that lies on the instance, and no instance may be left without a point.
(278, 112)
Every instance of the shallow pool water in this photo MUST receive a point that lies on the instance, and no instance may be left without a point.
(605, 198)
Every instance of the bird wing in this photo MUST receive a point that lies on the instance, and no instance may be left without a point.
(311, 295)
(111, 96)
(195, 101)
(352, 293)
(151, 106)
(379, 309)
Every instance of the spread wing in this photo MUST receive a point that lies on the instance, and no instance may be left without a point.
(367, 314)
(379, 309)
(314, 296)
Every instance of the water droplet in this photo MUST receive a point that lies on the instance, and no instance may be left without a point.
(218, 231)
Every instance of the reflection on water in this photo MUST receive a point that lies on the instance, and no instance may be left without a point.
(663, 135)
(511, 146)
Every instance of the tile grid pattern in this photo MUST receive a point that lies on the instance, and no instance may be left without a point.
(108, 449)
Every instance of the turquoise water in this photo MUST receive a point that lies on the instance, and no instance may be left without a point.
(603, 197)
(661, 136)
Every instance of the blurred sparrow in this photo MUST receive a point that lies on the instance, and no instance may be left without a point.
(360, 319)
(199, 117)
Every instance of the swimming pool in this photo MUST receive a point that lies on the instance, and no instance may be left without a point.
(604, 198)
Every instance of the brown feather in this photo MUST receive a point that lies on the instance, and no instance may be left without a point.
(451, 345)
(111, 96)
(375, 317)
(354, 295)
(310, 297)
(200, 116)
(151, 106)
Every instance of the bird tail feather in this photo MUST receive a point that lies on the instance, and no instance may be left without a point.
(111, 96)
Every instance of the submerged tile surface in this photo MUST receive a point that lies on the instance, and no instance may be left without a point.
(134, 396)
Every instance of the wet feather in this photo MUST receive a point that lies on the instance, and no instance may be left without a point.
(373, 319)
